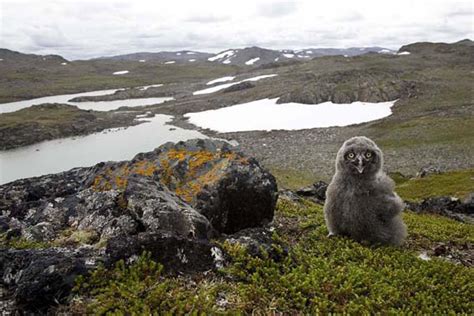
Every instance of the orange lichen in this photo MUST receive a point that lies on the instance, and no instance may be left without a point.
(198, 172)
(144, 168)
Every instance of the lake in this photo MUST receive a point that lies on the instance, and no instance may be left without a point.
(66, 153)
(97, 106)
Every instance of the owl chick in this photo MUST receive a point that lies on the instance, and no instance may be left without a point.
(360, 200)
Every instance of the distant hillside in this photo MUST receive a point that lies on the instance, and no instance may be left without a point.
(179, 57)
(260, 56)
(463, 47)
(249, 56)
(18, 59)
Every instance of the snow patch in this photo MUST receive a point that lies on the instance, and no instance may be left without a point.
(192, 60)
(223, 79)
(227, 61)
(178, 54)
(289, 55)
(384, 51)
(191, 53)
(288, 116)
(309, 52)
(404, 53)
(142, 60)
(170, 62)
(226, 85)
(121, 72)
(64, 64)
(252, 61)
(150, 86)
(1, 59)
(225, 54)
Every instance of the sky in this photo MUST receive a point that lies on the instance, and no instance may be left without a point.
(85, 29)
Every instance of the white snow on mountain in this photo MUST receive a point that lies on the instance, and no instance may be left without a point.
(223, 79)
(226, 85)
(225, 54)
(252, 61)
(121, 72)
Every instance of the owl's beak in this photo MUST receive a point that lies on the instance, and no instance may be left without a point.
(359, 166)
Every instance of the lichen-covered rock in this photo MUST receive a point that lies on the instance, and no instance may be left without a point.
(169, 202)
(231, 190)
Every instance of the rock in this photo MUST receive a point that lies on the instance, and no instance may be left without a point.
(170, 202)
(317, 190)
(428, 170)
(37, 279)
(348, 86)
(239, 86)
(447, 206)
(232, 191)
(177, 254)
(257, 240)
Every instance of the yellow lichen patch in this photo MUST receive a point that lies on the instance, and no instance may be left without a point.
(144, 168)
(101, 181)
(192, 184)
(174, 154)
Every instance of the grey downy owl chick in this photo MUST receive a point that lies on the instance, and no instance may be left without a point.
(360, 200)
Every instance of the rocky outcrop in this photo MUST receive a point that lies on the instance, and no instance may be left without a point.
(428, 170)
(447, 206)
(239, 87)
(169, 202)
(316, 191)
(40, 278)
(369, 85)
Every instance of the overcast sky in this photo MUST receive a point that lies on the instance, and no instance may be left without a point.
(83, 29)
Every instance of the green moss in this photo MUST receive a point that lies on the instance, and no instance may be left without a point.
(319, 275)
(454, 183)
(140, 289)
(292, 178)
(21, 243)
(398, 177)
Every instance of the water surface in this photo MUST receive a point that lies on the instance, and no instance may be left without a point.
(97, 106)
(66, 153)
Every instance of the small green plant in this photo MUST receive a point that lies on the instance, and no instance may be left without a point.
(141, 288)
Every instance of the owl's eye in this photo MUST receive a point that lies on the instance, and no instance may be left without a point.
(368, 154)
(350, 155)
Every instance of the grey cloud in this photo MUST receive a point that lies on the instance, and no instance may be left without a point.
(276, 9)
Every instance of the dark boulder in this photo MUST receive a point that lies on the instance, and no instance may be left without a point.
(239, 86)
(446, 206)
(231, 190)
(317, 191)
(40, 278)
(177, 254)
